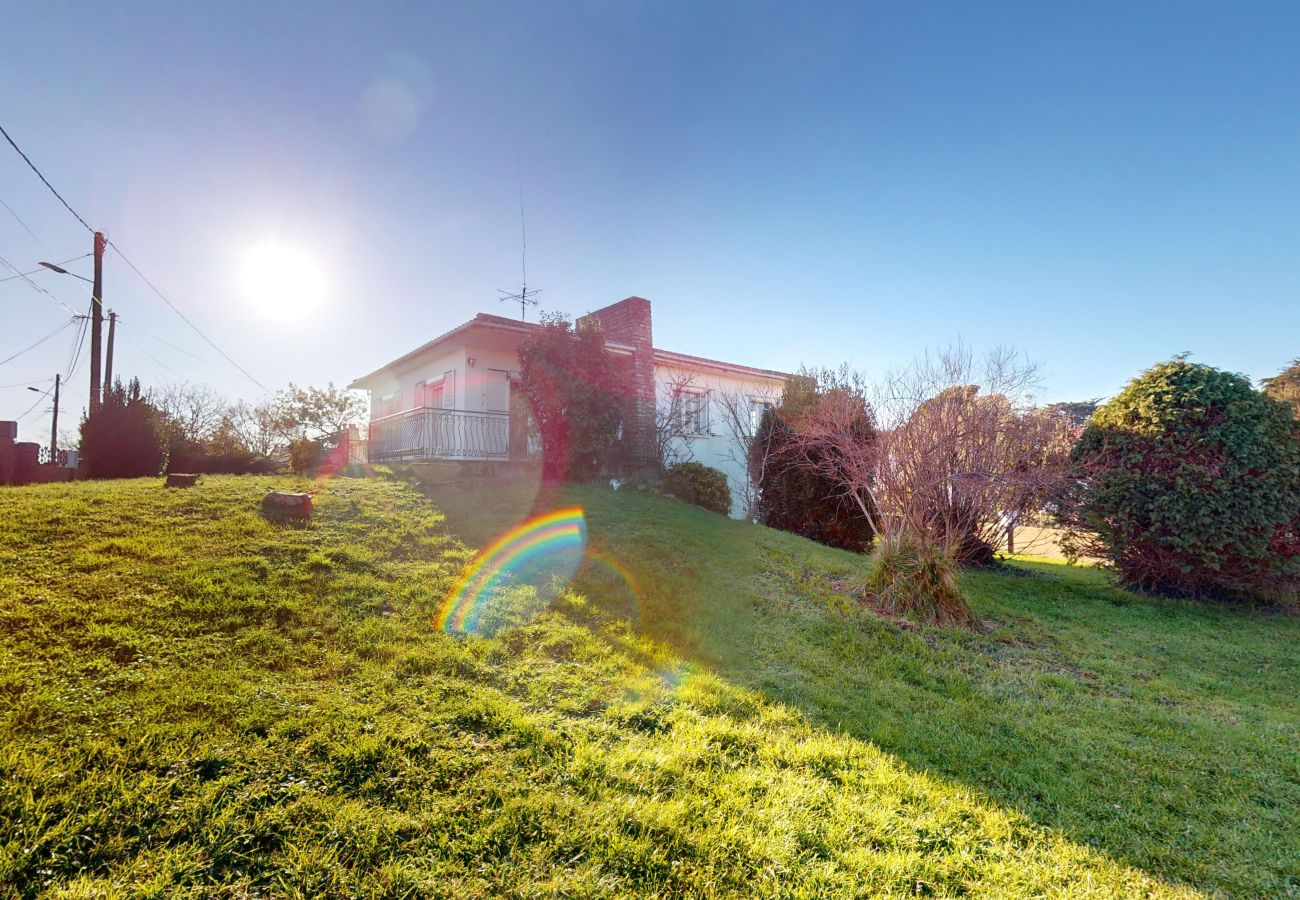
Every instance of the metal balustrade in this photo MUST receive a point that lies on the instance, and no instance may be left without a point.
(429, 433)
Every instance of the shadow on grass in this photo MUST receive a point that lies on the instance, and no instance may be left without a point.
(1158, 733)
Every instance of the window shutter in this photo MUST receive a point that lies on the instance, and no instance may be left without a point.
(421, 394)
(496, 391)
(449, 389)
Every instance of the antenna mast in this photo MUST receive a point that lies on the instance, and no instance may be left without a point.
(523, 298)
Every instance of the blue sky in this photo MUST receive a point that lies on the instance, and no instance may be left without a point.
(1100, 185)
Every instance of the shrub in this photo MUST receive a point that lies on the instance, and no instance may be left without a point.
(123, 439)
(699, 485)
(305, 455)
(917, 578)
(803, 499)
(1189, 482)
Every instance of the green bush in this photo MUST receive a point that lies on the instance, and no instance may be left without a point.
(700, 485)
(1189, 482)
(797, 498)
(305, 455)
(124, 439)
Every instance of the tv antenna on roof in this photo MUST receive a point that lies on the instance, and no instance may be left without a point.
(522, 297)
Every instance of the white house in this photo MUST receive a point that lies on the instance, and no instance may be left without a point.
(457, 397)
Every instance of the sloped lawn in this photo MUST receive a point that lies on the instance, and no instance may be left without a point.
(194, 700)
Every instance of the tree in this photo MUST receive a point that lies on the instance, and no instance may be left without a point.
(1189, 482)
(1285, 386)
(188, 415)
(124, 438)
(577, 399)
(253, 426)
(795, 492)
(314, 413)
(1075, 412)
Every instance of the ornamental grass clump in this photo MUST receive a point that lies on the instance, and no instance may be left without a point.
(918, 579)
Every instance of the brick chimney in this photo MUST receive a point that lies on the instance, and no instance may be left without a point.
(628, 322)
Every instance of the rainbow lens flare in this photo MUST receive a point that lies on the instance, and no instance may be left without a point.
(514, 570)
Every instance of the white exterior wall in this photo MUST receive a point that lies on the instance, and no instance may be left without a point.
(428, 371)
(718, 447)
(471, 393)
(476, 377)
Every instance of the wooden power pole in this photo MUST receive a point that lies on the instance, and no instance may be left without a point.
(54, 426)
(108, 354)
(96, 323)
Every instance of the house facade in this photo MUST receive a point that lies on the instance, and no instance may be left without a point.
(458, 398)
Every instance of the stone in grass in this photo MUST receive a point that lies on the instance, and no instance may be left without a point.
(282, 504)
(180, 479)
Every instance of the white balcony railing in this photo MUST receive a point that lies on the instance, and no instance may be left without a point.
(428, 433)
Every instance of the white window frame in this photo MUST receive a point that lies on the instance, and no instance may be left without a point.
(694, 411)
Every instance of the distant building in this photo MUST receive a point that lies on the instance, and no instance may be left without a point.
(457, 397)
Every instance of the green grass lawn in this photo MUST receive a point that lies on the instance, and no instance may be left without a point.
(196, 701)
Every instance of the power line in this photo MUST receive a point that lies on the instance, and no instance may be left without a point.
(39, 399)
(23, 384)
(19, 220)
(153, 337)
(74, 352)
(32, 166)
(41, 269)
(136, 345)
(38, 343)
(226, 356)
(133, 266)
(36, 287)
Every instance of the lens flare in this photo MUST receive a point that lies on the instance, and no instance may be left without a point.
(542, 549)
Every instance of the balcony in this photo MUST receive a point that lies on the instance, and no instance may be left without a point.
(450, 434)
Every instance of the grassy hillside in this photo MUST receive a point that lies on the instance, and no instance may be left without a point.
(195, 700)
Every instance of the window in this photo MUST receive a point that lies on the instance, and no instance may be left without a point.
(433, 395)
(695, 412)
(756, 409)
(388, 403)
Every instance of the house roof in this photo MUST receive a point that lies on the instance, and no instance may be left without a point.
(485, 320)
(685, 360)
(502, 324)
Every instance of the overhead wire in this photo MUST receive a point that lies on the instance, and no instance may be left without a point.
(163, 342)
(136, 345)
(37, 271)
(31, 347)
(46, 181)
(153, 287)
(19, 220)
(74, 352)
(38, 402)
(134, 268)
(36, 287)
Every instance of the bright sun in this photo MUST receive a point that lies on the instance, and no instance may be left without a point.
(282, 281)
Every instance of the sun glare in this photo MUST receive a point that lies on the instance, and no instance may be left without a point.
(282, 281)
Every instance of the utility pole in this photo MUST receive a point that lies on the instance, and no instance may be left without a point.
(108, 356)
(54, 426)
(96, 324)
